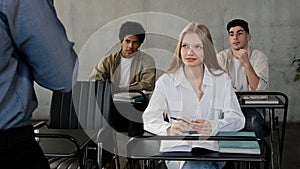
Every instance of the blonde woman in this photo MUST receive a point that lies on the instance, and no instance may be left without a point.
(196, 90)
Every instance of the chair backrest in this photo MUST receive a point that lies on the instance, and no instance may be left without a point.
(80, 108)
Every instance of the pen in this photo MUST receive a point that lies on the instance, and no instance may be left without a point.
(189, 131)
(174, 118)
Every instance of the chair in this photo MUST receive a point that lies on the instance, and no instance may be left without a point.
(125, 116)
(80, 108)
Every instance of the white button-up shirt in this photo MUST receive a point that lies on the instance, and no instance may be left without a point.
(259, 62)
(174, 95)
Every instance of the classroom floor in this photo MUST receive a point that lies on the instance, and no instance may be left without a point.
(291, 152)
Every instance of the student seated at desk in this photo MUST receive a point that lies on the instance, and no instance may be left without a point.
(197, 90)
(128, 69)
(248, 69)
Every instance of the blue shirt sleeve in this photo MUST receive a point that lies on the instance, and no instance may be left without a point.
(33, 48)
(42, 41)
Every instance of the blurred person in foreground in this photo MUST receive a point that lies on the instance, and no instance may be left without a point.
(34, 48)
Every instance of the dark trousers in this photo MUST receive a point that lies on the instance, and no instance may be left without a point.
(18, 149)
(254, 122)
(120, 118)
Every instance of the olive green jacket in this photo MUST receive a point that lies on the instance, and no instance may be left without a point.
(142, 71)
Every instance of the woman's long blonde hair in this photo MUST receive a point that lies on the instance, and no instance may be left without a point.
(209, 60)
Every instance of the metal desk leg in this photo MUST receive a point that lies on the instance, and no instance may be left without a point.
(283, 131)
(276, 140)
(278, 147)
(99, 155)
(271, 115)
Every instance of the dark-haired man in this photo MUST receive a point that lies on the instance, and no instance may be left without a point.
(128, 68)
(247, 67)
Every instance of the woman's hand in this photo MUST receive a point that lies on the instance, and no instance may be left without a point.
(203, 127)
(179, 127)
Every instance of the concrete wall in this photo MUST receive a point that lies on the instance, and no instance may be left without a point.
(93, 25)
